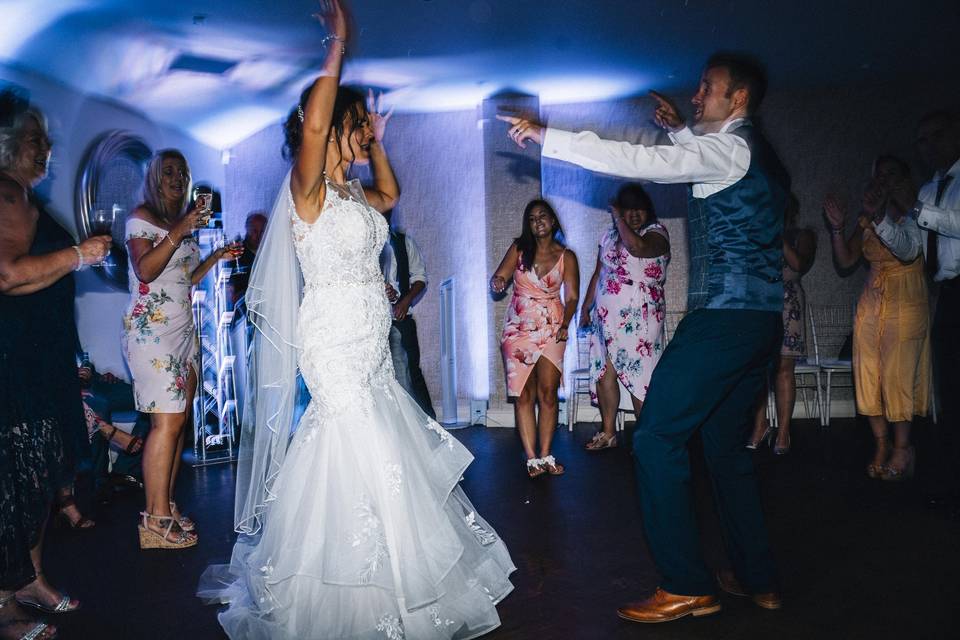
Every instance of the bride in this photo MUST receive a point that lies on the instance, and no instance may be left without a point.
(354, 526)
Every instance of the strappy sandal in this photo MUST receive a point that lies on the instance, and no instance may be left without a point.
(38, 632)
(63, 520)
(185, 523)
(535, 467)
(877, 470)
(150, 539)
(601, 441)
(554, 468)
(134, 447)
(65, 605)
(896, 474)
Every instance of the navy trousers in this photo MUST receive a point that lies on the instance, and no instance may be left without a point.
(708, 379)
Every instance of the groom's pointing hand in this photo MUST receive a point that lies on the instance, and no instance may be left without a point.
(522, 129)
(666, 115)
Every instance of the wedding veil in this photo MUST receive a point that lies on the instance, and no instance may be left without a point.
(273, 307)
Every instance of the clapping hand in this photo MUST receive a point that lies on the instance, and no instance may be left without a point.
(874, 199)
(522, 129)
(835, 212)
(903, 195)
(666, 115)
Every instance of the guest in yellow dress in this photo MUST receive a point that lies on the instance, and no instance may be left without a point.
(891, 335)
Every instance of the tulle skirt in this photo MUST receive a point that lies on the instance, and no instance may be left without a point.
(369, 535)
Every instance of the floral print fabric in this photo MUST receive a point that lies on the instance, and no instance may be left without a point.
(531, 324)
(628, 315)
(159, 336)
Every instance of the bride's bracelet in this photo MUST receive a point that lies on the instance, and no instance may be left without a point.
(328, 38)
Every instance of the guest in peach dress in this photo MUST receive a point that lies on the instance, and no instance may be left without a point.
(546, 289)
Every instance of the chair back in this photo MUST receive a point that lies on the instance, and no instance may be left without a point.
(830, 325)
(583, 347)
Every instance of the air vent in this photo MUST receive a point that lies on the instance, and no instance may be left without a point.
(200, 64)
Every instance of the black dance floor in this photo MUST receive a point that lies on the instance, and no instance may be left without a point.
(858, 558)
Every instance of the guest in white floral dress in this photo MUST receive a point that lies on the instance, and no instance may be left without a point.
(159, 335)
(626, 293)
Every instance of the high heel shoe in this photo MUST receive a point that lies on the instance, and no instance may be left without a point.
(63, 518)
(755, 444)
(876, 469)
(601, 441)
(896, 474)
(782, 450)
(185, 522)
(151, 539)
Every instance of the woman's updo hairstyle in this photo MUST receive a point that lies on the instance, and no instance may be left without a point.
(348, 101)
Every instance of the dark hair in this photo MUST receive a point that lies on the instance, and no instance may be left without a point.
(348, 101)
(746, 72)
(633, 196)
(526, 243)
(900, 163)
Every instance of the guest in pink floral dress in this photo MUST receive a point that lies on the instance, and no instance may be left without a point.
(626, 293)
(159, 336)
(535, 328)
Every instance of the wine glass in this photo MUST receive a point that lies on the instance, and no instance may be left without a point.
(102, 225)
(237, 251)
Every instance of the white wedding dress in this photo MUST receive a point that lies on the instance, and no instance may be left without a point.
(368, 534)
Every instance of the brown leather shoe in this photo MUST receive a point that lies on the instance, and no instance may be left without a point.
(727, 580)
(770, 600)
(664, 607)
(728, 583)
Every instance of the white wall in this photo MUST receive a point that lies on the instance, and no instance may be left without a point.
(75, 121)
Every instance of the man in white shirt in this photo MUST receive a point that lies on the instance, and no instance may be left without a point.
(938, 215)
(406, 275)
(714, 368)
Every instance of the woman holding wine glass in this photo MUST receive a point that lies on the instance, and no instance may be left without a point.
(159, 336)
(40, 409)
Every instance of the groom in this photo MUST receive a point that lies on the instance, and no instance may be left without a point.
(712, 372)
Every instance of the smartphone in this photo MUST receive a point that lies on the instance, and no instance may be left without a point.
(203, 199)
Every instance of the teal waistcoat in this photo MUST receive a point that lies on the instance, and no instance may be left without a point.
(735, 235)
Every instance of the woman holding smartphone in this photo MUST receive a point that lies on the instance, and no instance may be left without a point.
(160, 339)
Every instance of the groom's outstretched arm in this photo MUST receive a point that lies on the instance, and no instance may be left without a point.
(716, 158)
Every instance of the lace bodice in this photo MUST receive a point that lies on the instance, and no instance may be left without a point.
(343, 246)
(344, 316)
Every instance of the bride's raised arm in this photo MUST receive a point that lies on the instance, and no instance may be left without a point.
(306, 179)
(385, 192)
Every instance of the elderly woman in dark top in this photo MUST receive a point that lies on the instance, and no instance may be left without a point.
(38, 383)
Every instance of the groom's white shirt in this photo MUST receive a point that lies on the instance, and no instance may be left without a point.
(711, 162)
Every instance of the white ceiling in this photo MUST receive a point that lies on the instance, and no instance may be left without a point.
(449, 54)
